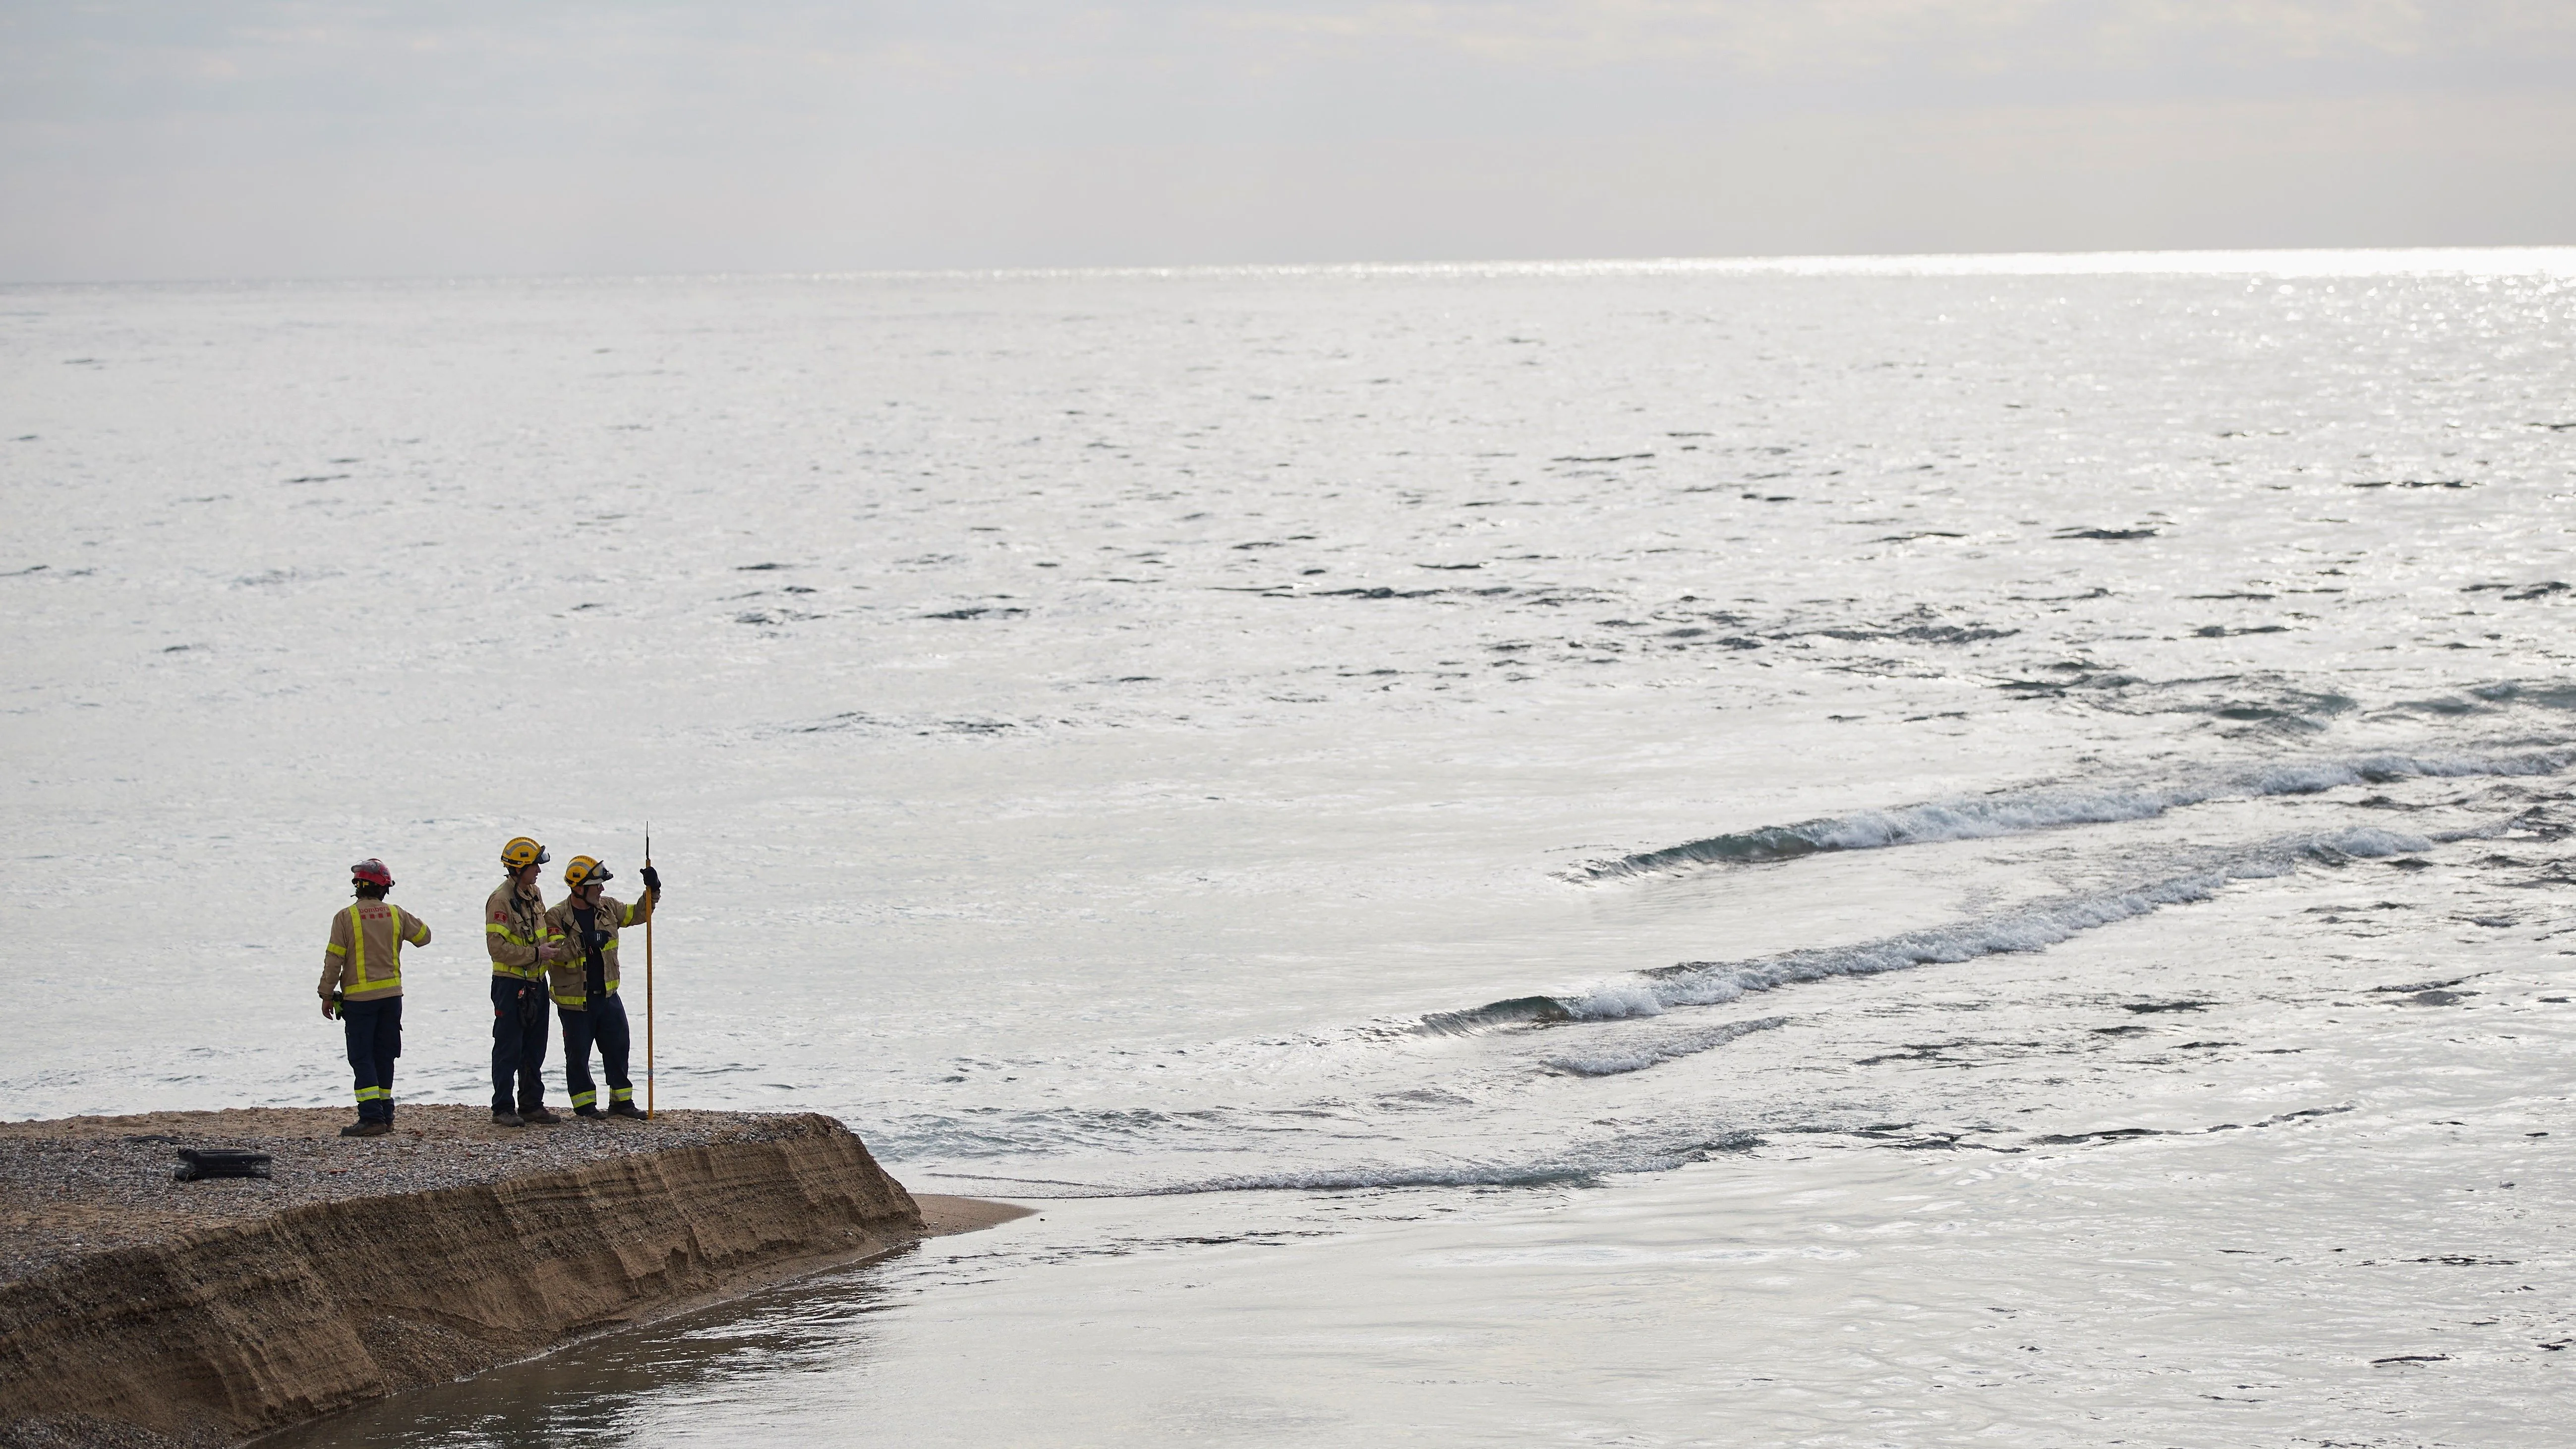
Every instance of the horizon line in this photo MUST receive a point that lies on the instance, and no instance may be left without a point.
(2490, 261)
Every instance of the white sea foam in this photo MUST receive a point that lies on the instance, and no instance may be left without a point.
(2049, 807)
(2031, 928)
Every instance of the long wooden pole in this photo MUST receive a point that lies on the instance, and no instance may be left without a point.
(648, 983)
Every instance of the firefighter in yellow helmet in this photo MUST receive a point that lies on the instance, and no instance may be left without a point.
(362, 985)
(585, 983)
(522, 946)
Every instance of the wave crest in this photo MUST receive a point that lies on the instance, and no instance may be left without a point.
(2029, 928)
(2014, 812)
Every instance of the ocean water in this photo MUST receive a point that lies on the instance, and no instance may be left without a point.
(1865, 853)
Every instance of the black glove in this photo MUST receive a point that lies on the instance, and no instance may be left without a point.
(532, 1004)
(652, 880)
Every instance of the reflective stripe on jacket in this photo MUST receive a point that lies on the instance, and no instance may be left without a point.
(364, 959)
(567, 973)
(514, 926)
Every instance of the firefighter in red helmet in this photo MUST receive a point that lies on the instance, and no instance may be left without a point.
(362, 986)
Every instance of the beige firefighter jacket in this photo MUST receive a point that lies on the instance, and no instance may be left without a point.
(514, 926)
(364, 959)
(568, 973)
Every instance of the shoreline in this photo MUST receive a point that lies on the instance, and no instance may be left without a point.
(137, 1311)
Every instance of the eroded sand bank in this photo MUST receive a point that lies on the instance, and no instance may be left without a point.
(139, 1310)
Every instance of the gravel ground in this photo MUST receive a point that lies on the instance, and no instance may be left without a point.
(82, 1185)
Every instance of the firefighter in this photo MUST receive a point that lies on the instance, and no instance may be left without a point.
(362, 986)
(522, 946)
(585, 983)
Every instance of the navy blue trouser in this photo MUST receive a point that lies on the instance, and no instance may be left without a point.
(518, 1044)
(374, 1030)
(605, 1023)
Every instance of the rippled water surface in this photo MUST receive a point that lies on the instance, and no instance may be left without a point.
(1836, 855)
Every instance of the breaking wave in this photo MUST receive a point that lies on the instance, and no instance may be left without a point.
(2027, 928)
(2013, 812)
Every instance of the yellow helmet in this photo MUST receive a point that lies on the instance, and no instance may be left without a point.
(584, 871)
(521, 853)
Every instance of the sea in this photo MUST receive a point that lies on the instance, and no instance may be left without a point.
(1846, 852)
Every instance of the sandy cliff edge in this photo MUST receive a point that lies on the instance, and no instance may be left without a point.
(138, 1311)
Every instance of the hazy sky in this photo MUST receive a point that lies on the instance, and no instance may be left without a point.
(196, 138)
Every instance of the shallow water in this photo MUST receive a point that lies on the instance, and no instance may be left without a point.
(1645, 854)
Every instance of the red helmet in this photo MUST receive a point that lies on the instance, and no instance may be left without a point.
(372, 871)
